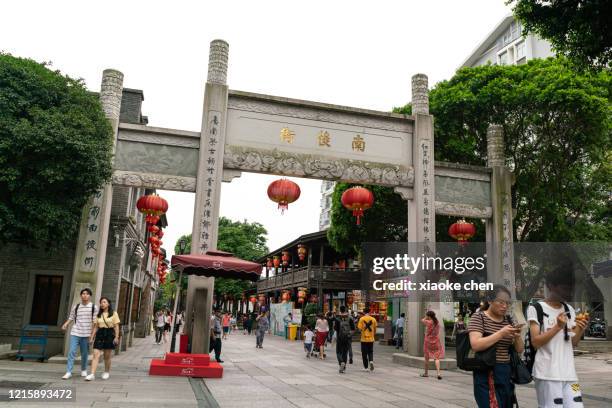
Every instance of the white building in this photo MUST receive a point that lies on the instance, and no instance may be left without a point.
(327, 190)
(506, 45)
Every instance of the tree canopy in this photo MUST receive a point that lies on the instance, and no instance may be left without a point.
(578, 29)
(55, 152)
(557, 141)
(245, 240)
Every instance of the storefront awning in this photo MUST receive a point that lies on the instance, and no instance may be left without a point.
(218, 264)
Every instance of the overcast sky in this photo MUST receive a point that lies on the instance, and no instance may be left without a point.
(356, 53)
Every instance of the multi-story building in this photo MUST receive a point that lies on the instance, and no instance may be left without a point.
(35, 282)
(506, 45)
(327, 191)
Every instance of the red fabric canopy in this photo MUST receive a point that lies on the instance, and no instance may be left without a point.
(218, 264)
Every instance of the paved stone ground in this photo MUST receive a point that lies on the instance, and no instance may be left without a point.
(280, 376)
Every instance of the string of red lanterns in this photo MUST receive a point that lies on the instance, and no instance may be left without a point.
(153, 206)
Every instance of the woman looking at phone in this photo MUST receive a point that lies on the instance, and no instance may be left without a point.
(492, 327)
(105, 337)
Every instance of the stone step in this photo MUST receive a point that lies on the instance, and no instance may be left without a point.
(5, 347)
(7, 355)
(61, 359)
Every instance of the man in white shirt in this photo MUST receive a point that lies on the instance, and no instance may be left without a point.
(82, 314)
(554, 371)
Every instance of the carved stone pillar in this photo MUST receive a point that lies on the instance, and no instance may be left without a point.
(95, 219)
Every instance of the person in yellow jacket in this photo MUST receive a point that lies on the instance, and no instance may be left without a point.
(367, 325)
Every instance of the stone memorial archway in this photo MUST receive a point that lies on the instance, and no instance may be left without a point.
(243, 131)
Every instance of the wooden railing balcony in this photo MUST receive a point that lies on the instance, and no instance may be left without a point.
(327, 277)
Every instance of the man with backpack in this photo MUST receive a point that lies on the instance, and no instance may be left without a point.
(82, 314)
(553, 332)
(344, 328)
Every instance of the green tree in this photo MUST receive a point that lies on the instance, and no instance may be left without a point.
(55, 152)
(578, 29)
(557, 141)
(243, 239)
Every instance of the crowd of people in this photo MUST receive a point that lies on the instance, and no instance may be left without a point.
(552, 325)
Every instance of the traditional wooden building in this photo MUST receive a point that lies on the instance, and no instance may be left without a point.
(320, 273)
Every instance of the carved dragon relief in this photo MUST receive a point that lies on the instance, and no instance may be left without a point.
(313, 166)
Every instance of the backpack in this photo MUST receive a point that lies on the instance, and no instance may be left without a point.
(344, 329)
(76, 312)
(530, 351)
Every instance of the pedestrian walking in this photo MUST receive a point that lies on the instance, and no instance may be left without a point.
(233, 323)
(554, 332)
(167, 325)
(226, 321)
(491, 327)
(82, 315)
(105, 337)
(432, 347)
(321, 331)
(330, 317)
(263, 324)
(215, 335)
(160, 322)
(367, 325)
(399, 331)
(247, 324)
(308, 336)
(459, 326)
(344, 328)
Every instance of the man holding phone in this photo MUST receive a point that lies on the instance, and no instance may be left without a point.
(554, 370)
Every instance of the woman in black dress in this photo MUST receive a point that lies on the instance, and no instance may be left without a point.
(105, 337)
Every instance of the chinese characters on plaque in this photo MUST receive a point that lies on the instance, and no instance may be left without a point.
(210, 173)
(324, 139)
(92, 235)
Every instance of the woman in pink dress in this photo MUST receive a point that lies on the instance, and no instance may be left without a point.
(432, 348)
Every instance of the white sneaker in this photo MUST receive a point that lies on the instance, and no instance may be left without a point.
(371, 366)
(105, 375)
(84, 373)
(67, 376)
(90, 377)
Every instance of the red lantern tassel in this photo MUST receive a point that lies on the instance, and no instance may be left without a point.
(283, 206)
(358, 212)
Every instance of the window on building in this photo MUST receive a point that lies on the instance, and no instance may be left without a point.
(503, 58)
(46, 302)
(520, 50)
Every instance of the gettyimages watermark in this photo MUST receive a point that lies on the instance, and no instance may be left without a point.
(451, 272)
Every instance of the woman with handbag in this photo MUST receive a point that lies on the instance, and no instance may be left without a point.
(432, 347)
(489, 329)
(105, 337)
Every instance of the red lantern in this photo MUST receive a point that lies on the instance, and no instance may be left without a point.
(152, 219)
(153, 240)
(283, 192)
(269, 263)
(152, 204)
(252, 299)
(285, 258)
(160, 234)
(301, 295)
(154, 229)
(302, 251)
(462, 231)
(358, 199)
(276, 262)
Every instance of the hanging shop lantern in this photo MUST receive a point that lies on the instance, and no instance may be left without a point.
(350, 298)
(252, 299)
(152, 204)
(301, 295)
(462, 231)
(152, 219)
(357, 199)
(285, 258)
(160, 234)
(269, 263)
(302, 251)
(153, 240)
(276, 262)
(154, 229)
(283, 192)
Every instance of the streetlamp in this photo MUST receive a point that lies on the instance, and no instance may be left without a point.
(182, 247)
